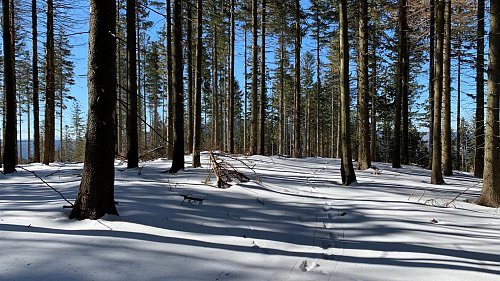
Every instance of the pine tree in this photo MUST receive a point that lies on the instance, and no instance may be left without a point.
(96, 195)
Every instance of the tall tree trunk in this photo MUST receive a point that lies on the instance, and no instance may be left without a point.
(405, 65)
(282, 109)
(189, 55)
(49, 132)
(178, 160)
(432, 75)
(479, 133)
(170, 114)
(96, 195)
(36, 102)
(262, 113)
(490, 195)
(437, 175)
(363, 88)
(254, 109)
(346, 168)
(132, 133)
(297, 147)
(10, 142)
(459, 89)
(318, 86)
(373, 123)
(396, 161)
(215, 91)
(447, 158)
(230, 128)
(245, 102)
(198, 76)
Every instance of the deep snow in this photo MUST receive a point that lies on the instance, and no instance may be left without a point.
(296, 223)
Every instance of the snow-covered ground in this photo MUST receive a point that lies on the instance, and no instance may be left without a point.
(297, 223)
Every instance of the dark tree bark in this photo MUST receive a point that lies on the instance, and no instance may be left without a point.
(178, 153)
(447, 158)
(262, 114)
(10, 140)
(396, 161)
(96, 195)
(170, 114)
(231, 83)
(490, 194)
(132, 133)
(254, 105)
(479, 132)
(363, 88)
(459, 91)
(437, 175)
(431, 78)
(405, 81)
(189, 55)
(197, 101)
(373, 123)
(346, 168)
(36, 103)
(49, 132)
(297, 146)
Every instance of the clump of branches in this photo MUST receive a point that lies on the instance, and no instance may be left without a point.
(224, 171)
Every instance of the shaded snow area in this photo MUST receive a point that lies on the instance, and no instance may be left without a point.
(292, 221)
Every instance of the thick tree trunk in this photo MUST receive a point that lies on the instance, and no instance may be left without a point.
(96, 195)
(198, 76)
(178, 159)
(363, 88)
(297, 146)
(10, 136)
(262, 107)
(447, 158)
(437, 175)
(49, 132)
(132, 133)
(254, 105)
(490, 195)
(36, 103)
(346, 169)
(479, 132)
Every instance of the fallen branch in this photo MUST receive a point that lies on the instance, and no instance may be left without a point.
(461, 193)
(224, 171)
(37, 176)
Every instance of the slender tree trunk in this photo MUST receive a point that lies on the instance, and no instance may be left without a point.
(36, 104)
(215, 92)
(479, 133)
(262, 114)
(318, 87)
(10, 135)
(231, 83)
(363, 89)
(189, 55)
(178, 160)
(297, 147)
(447, 158)
(373, 123)
(432, 75)
(282, 110)
(405, 66)
(396, 161)
(198, 76)
(245, 107)
(459, 89)
(132, 133)
(254, 109)
(96, 195)
(346, 168)
(170, 114)
(437, 175)
(490, 195)
(49, 132)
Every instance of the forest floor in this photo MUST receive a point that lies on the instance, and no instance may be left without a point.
(292, 221)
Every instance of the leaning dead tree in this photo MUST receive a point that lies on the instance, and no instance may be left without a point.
(224, 171)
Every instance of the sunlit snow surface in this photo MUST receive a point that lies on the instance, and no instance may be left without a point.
(296, 223)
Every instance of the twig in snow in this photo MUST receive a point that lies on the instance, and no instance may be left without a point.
(461, 193)
(37, 176)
